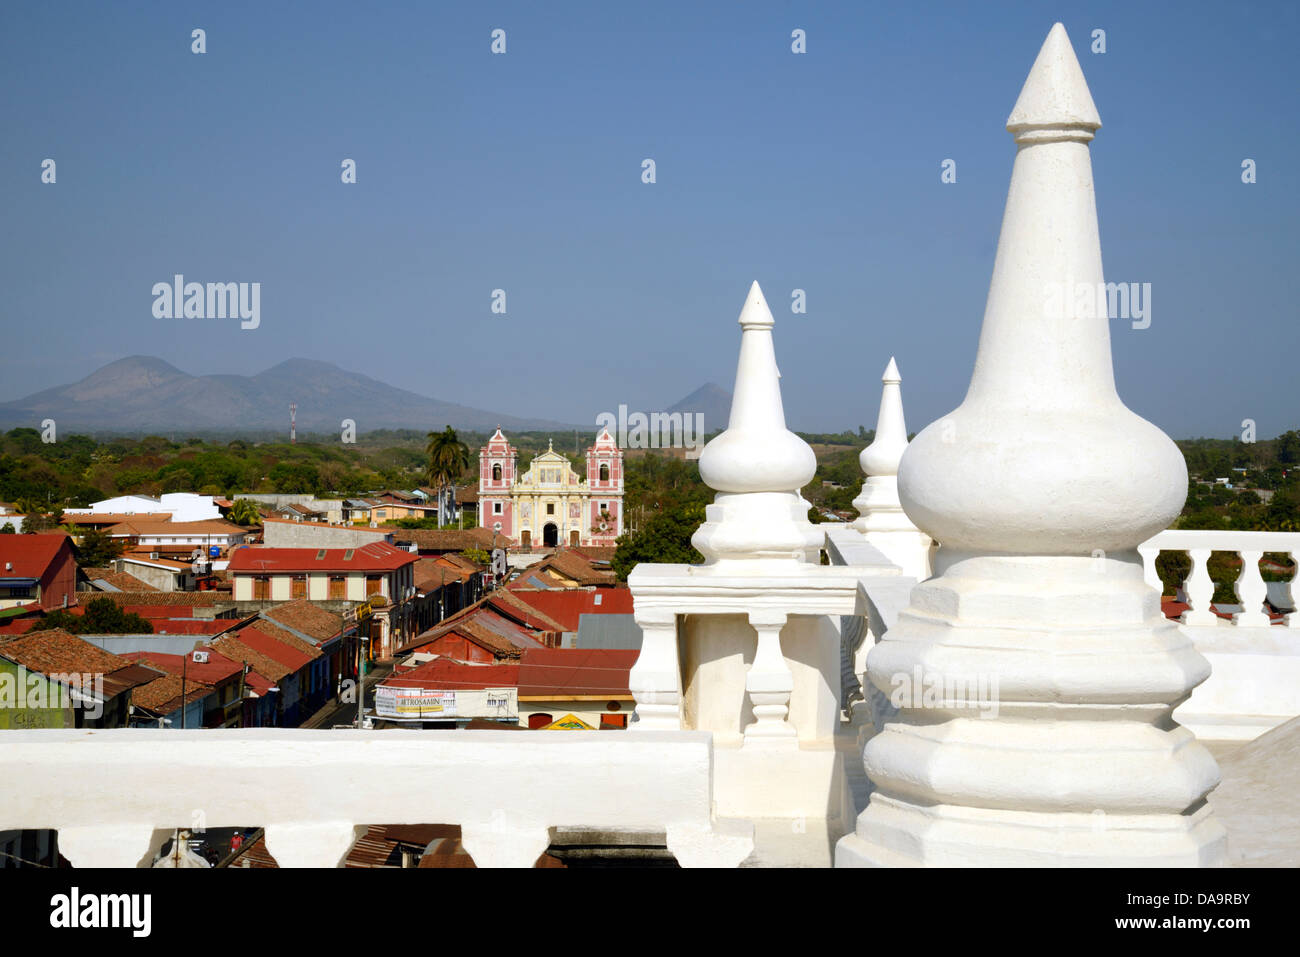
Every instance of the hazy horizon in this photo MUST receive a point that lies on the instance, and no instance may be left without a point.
(522, 171)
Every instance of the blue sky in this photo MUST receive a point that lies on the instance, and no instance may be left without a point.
(522, 171)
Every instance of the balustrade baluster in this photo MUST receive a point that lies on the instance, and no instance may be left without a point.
(1200, 590)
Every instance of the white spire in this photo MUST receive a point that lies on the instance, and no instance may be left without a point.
(757, 464)
(880, 515)
(1039, 487)
(886, 450)
(1040, 457)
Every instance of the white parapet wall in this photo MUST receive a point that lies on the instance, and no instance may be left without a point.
(115, 796)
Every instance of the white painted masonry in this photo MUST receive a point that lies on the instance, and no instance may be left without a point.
(1040, 487)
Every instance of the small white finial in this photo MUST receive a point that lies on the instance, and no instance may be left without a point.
(757, 453)
(757, 464)
(886, 450)
(755, 314)
(881, 518)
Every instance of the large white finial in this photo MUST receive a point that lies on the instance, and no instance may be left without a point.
(1042, 457)
(1039, 487)
(757, 464)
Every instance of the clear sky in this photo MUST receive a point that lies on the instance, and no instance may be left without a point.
(522, 171)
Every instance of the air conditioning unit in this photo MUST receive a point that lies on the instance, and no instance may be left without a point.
(200, 657)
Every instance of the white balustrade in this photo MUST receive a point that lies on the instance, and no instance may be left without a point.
(1250, 588)
(115, 796)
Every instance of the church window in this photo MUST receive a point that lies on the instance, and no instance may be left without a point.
(496, 473)
(604, 473)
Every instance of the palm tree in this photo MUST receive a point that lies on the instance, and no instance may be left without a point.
(244, 512)
(28, 506)
(448, 458)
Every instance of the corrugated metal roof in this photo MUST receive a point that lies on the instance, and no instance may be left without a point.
(608, 631)
(567, 606)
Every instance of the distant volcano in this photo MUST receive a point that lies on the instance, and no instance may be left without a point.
(712, 401)
(146, 394)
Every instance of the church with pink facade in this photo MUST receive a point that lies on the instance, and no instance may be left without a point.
(549, 503)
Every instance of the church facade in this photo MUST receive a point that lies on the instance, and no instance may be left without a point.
(549, 503)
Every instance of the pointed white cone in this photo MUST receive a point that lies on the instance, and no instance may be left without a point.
(757, 464)
(757, 453)
(1055, 94)
(1051, 741)
(886, 450)
(1042, 457)
(880, 515)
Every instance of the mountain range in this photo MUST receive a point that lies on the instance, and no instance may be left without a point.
(142, 394)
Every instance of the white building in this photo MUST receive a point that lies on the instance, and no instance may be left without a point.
(183, 506)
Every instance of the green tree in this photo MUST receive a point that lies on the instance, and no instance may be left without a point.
(244, 512)
(664, 537)
(8, 529)
(98, 549)
(103, 617)
(448, 457)
(1288, 447)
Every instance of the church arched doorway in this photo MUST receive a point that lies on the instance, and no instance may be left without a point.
(550, 535)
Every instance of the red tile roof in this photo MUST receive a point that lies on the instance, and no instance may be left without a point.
(119, 580)
(163, 695)
(430, 574)
(574, 567)
(275, 644)
(448, 540)
(55, 650)
(482, 626)
(138, 599)
(30, 555)
(265, 559)
(150, 525)
(595, 553)
(92, 519)
(270, 670)
(311, 620)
